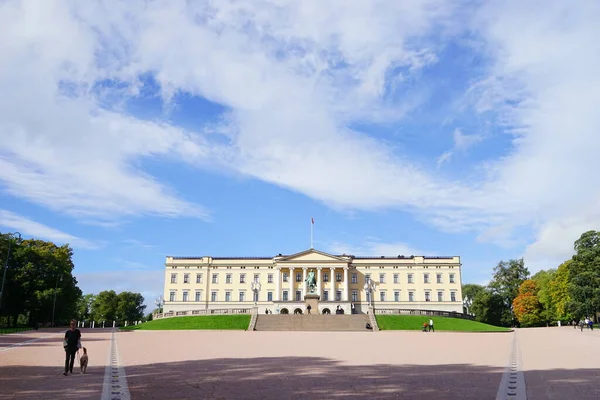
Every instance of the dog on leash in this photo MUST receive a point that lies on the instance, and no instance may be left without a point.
(83, 361)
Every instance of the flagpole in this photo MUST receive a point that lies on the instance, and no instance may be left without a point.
(311, 232)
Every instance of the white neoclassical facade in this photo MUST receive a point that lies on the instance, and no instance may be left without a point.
(278, 284)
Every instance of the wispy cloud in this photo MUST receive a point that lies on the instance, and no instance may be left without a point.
(27, 226)
(138, 243)
(462, 143)
(374, 247)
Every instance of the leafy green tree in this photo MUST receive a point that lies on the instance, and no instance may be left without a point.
(508, 277)
(584, 273)
(543, 280)
(105, 306)
(559, 293)
(130, 306)
(85, 310)
(469, 292)
(488, 307)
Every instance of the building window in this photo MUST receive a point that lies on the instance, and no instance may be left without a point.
(227, 296)
(411, 296)
(172, 296)
(256, 278)
(451, 278)
(396, 278)
(325, 276)
(326, 295)
(298, 295)
(242, 278)
(269, 296)
(228, 278)
(173, 278)
(285, 295)
(410, 278)
(367, 277)
(381, 296)
(186, 278)
(242, 296)
(198, 278)
(396, 296)
(440, 296)
(298, 277)
(285, 276)
(381, 278)
(215, 278)
(354, 278)
(355, 295)
(439, 278)
(213, 296)
(338, 295)
(425, 278)
(338, 277)
(198, 296)
(270, 278)
(427, 296)
(255, 295)
(452, 296)
(185, 296)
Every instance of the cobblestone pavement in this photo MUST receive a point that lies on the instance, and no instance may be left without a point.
(559, 363)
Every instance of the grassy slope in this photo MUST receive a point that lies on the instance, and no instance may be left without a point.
(415, 322)
(217, 322)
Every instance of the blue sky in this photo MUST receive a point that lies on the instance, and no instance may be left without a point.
(139, 130)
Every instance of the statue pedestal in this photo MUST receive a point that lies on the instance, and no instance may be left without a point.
(312, 300)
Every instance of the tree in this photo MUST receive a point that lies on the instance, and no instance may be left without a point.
(470, 291)
(584, 273)
(130, 306)
(543, 280)
(559, 292)
(105, 306)
(526, 305)
(508, 277)
(85, 307)
(488, 307)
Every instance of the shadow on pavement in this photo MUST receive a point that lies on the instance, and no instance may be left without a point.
(295, 378)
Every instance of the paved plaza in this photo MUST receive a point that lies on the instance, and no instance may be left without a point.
(547, 363)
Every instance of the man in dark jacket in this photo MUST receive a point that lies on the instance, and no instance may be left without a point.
(71, 343)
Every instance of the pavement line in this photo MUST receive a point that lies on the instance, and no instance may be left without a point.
(512, 386)
(12, 346)
(115, 380)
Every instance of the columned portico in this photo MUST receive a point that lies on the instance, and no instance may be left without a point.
(291, 296)
(319, 285)
(332, 283)
(278, 285)
(304, 291)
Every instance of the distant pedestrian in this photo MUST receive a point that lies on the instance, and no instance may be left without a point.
(308, 308)
(71, 344)
(431, 325)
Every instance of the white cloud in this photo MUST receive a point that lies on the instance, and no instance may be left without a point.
(462, 143)
(26, 226)
(293, 75)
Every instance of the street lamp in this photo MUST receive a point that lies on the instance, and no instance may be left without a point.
(55, 290)
(255, 288)
(160, 301)
(370, 288)
(11, 235)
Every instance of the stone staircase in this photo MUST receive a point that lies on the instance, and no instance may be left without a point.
(312, 322)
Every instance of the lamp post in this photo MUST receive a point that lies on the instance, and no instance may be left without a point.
(160, 301)
(11, 235)
(370, 288)
(55, 290)
(255, 288)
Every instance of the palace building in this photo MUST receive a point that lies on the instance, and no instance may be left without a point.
(279, 284)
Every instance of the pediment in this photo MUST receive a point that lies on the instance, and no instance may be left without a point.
(313, 256)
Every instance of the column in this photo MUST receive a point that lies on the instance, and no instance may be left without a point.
(291, 295)
(346, 284)
(278, 284)
(304, 291)
(332, 281)
(319, 285)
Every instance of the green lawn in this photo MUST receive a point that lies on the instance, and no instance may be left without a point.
(415, 323)
(5, 331)
(217, 322)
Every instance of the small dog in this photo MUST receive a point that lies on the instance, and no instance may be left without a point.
(83, 361)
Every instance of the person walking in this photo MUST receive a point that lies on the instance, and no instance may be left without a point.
(71, 345)
(431, 325)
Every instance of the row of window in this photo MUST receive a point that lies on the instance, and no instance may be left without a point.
(338, 278)
(285, 296)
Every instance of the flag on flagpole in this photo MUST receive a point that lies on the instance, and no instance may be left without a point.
(312, 220)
